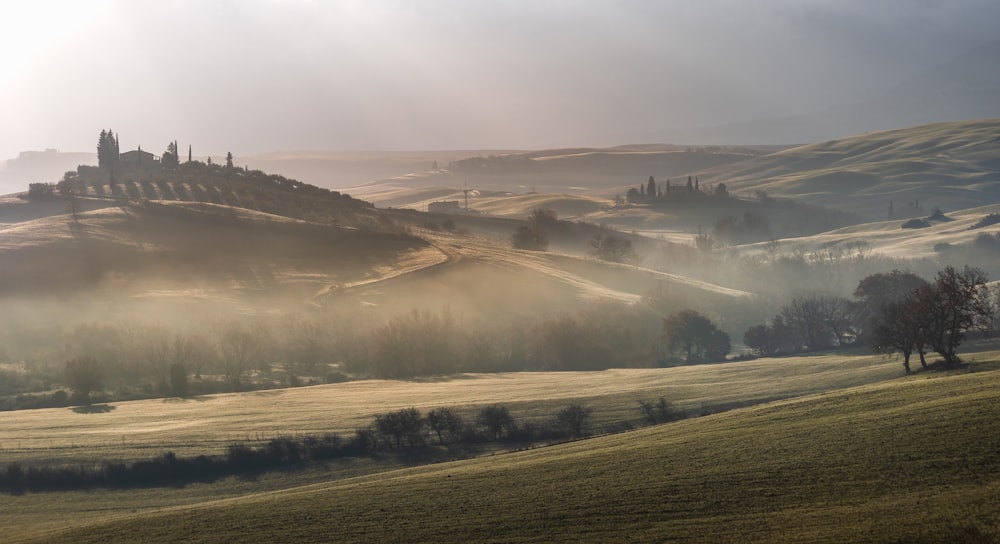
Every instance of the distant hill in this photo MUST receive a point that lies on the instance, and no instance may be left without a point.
(39, 167)
(951, 165)
(572, 170)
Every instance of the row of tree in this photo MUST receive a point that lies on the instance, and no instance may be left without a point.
(896, 312)
(652, 192)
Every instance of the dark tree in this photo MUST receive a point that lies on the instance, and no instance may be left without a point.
(229, 160)
(818, 321)
(178, 379)
(107, 150)
(400, 425)
(955, 302)
(695, 337)
(633, 196)
(496, 419)
(651, 188)
(877, 290)
(612, 248)
(41, 190)
(83, 375)
(444, 421)
(660, 411)
(900, 327)
(575, 418)
(169, 159)
(533, 235)
(770, 339)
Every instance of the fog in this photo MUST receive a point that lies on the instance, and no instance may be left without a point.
(253, 77)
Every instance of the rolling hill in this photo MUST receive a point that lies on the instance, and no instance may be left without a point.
(882, 462)
(951, 166)
(948, 165)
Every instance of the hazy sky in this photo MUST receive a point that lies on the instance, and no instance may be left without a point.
(253, 76)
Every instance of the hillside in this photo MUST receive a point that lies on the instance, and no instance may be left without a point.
(179, 246)
(947, 165)
(844, 466)
(563, 171)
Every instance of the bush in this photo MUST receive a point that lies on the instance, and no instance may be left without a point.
(915, 224)
(660, 411)
(987, 220)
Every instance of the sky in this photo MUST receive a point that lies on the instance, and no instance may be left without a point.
(253, 76)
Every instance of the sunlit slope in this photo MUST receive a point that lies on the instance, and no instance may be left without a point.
(501, 204)
(484, 276)
(905, 461)
(888, 238)
(952, 165)
(132, 430)
(190, 245)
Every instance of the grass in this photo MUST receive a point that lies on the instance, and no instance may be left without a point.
(911, 460)
(142, 429)
(206, 425)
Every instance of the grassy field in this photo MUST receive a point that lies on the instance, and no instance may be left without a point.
(143, 429)
(909, 460)
(140, 429)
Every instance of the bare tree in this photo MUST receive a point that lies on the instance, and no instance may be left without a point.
(497, 420)
(402, 424)
(575, 418)
(956, 302)
(83, 375)
(444, 421)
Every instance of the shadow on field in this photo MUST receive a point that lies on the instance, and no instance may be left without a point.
(93, 409)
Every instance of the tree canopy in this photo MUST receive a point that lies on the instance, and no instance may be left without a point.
(695, 337)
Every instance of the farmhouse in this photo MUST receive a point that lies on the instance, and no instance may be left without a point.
(138, 157)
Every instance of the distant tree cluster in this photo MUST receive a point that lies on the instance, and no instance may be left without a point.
(533, 235)
(733, 230)
(651, 192)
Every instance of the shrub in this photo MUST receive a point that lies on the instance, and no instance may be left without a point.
(987, 220)
(915, 224)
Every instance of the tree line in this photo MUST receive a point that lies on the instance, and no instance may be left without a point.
(439, 434)
(895, 312)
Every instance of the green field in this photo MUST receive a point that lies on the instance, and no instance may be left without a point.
(854, 452)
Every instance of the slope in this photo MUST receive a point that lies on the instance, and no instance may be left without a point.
(948, 165)
(182, 246)
(843, 466)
